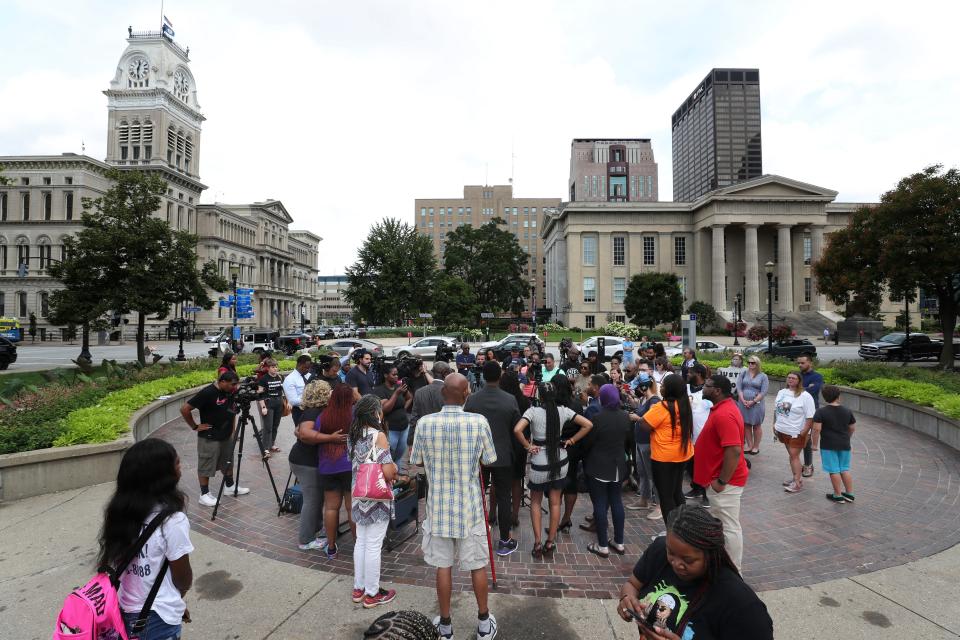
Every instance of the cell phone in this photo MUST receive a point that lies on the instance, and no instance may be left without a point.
(645, 621)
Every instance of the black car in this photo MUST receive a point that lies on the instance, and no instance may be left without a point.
(8, 353)
(791, 348)
(503, 348)
(293, 342)
(895, 346)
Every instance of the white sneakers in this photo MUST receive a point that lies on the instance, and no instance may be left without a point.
(209, 499)
(241, 491)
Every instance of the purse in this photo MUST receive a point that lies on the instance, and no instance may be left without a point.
(287, 408)
(369, 483)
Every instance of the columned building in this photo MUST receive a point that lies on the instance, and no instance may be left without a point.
(717, 246)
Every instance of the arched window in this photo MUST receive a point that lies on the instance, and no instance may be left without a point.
(23, 251)
(44, 252)
(44, 304)
(3, 254)
(22, 304)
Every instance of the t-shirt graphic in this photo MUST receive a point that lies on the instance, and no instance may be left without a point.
(783, 408)
(670, 606)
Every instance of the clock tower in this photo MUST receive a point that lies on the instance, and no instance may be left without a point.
(153, 115)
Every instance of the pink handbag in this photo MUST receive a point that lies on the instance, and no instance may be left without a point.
(370, 483)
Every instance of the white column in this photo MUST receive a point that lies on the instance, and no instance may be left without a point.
(751, 301)
(785, 268)
(718, 269)
(816, 234)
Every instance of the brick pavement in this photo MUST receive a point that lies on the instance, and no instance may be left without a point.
(907, 487)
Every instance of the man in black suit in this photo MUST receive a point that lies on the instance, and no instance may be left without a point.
(501, 411)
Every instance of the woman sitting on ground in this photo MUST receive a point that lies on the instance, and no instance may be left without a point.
(687, 586)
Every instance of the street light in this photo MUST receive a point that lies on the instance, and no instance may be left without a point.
(736, 322)
(301, 316)
(533, 302)
(234, 276)
(769, 268)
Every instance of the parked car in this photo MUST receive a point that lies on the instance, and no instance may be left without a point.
(894, 346)
(790, 348)
(541, 345)
(293, 342)
(8, 353)
(212, 336)
(710, 346)
(425, 347)
(325, 333)
(614, 346)
(503, 348)
(672, 351)
(348, 346)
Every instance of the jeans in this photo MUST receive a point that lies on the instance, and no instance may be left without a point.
(668, 479)
(270, 423)
(311, 515)
(502, 478)
(725, 506)
(366, 556)
(644, 474)
(607, 495)
(156, 628)
(398, 444)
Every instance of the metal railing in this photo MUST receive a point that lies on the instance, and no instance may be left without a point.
(152, 35)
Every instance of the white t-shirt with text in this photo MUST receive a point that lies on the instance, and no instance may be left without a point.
(792, 411)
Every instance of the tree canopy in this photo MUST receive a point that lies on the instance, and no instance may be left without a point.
(491, 261)
(394, 274)
(653, 298)
(910, 241)
(455, 303)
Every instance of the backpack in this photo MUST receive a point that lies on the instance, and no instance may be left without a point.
(92, 612)
(292, 501)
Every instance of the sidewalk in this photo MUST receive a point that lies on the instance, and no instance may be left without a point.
(48, 544)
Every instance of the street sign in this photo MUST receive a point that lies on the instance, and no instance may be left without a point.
(426, 315)
(487, 314)
(192, 309)
(409, 334)
(244, 292)
(693, 316)
(236, 333)
(226, 304)
(244, 316)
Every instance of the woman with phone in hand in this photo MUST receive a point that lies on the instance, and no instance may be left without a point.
(686, 586)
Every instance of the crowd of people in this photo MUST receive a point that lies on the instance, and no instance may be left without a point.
(519, 429)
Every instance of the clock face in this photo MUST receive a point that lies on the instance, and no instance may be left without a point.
(181, 84)
(139, 68)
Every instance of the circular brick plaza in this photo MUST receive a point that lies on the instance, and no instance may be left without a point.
(907, 487)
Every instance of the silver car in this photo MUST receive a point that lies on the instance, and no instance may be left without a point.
(614, 346)
(425, 347)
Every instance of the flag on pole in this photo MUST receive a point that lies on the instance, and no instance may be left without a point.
(167, 27)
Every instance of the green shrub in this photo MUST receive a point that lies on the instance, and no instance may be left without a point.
(948, 405)
(916, 392)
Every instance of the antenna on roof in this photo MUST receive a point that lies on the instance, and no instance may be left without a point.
(512, 158)
(486, 173)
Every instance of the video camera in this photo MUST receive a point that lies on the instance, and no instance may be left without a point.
(247, 390)
(445, 352)
(408, 368)
(535, 372)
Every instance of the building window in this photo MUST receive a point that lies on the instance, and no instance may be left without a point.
(68, 180)
(25, 205)
(44, 304)
(619, 290)
(47, 206)
(682, 282)
(590, 250)
(807, 289)
(680, 251)
(807, 249)
(776, 248)
(423, 212)
(46, 181)
(649, 254)
(589, 322)
(25, 182)
(68, 204)
(620, 318)
(3, 206)
(22, 304)
(589, 289)
(619, 251)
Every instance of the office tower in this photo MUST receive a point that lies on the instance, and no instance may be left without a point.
(612, 170)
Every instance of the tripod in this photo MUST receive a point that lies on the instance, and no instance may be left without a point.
(245, 417)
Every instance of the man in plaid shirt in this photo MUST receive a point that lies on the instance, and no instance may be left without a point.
(451, 445)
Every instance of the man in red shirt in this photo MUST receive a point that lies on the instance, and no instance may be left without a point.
(719, 464)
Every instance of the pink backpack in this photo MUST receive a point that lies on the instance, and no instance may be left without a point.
(92, 612)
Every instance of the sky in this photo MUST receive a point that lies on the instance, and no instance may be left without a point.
(348, 111)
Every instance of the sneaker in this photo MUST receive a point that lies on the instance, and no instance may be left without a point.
(490, 635)
(241, 491)
(693, 493)
(208, 500)
(704, 500)
(832, 497)
(506, 547)
(849, 497)
(357, 596)
(331, 555)
(793, 487)
(655, 513)
(806, 472)
(383, 597)
(787, 482)
(316, 543)
(448, 635)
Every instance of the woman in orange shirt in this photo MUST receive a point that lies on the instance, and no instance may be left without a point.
(671, 441)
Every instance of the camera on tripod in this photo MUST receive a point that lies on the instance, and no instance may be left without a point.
(247, 390)
(535, 373)
(408, 368)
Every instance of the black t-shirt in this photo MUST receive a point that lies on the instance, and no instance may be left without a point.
(417, 382)
(273, 387)
(333, 382)
(397, 420)
(305, 454)
(729, 609)
(218, 409)
(359, 380)
(835, 429)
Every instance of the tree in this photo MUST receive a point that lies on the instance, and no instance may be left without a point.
(653, 298)
(394, 274)
(455, 303)
(910, 241)
(136, 261)
(706, 315)
(848, 272)
(492, 262)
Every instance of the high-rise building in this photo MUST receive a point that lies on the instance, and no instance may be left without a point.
(612, 170)
(716, 134)
(434, 218)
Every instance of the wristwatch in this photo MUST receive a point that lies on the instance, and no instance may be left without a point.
(722, 482)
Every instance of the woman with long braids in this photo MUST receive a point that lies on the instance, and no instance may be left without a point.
(670, 423)
(565, 398)
(686, 586)
(548, 459)
(368, 443)
(146, 489)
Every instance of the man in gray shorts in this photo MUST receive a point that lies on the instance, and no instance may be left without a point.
(451, 445)
(217, 405)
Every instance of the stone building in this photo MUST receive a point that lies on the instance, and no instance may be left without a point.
(612, 170)
(153, 125)
(334, 307)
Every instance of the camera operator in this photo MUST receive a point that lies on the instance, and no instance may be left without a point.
(466, 362)
(294, 384)
(418, 378)
(444, 352)
(478, 382)
(359, 375)
(218, 409)
(514, 360)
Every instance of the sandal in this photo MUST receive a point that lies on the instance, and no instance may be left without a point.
(549, 547)
(619, 548)
(565, 526)
(594, 548)
(592, 528)
(537, 550)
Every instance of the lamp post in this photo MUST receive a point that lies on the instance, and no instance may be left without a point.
(736, 323)
(234, 276)
(181, 325)
(533, 303)
(769, 268)
(301, 316)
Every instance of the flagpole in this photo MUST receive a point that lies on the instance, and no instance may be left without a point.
(161, 16)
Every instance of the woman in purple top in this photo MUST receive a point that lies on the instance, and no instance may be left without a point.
(333, 462)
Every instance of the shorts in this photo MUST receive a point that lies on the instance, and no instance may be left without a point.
(550, 485)
(440, 552)
(342, 482)
(213, 456)
(835, 461)
(792, 442)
